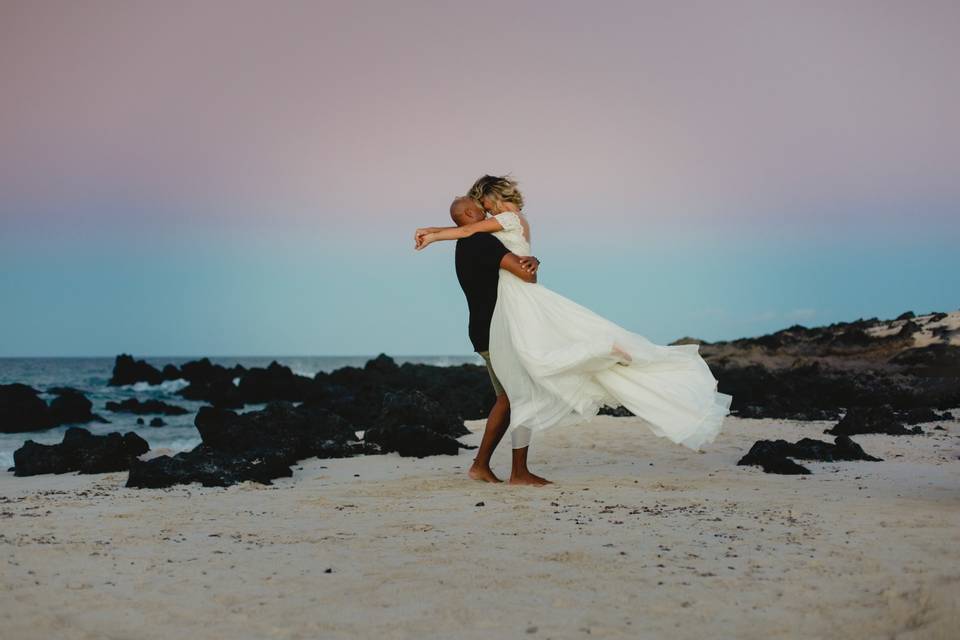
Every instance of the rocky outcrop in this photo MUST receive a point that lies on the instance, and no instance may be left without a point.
(880, 419)
(256, 445)
(135, 406)
(413, 441)
(127, 370)
(23, 410)
(209, 467)
(79, 451)
(774, 456)
(412, 424)
(410, 407)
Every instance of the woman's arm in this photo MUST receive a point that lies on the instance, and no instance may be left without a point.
(429, 235)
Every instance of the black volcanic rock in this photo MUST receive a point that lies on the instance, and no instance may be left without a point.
(412, 424)
(298, 432)
(72, 407)
(772, 463)
(126, 370)
(774, 455)
(805, 392)
(819, 392)
(134, 405)
(617, 412)
(21, 409)
(275, 382)
(922, 414)
(932, 360)
(208, 382)
(853, 337)
(357, 393)
(908, 329)
(383, 365)
(209, 467)
(212, 383)
(220, 392)
(871, 420)
(257, 446)
(413, 441)
(79, 451)
(413, 407)
(157, 422)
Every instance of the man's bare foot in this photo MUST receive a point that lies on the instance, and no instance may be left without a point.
(482, 473)
(529, 478)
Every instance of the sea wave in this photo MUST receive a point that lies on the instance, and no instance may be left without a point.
(167, 386)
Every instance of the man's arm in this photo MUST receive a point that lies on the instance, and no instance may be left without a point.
(524, 267)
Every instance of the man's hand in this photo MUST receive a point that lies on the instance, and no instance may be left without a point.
(529, 264)
(524, 267)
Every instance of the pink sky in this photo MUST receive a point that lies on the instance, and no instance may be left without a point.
(719, 111)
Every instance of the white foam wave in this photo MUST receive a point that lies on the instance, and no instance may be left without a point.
(167, 386)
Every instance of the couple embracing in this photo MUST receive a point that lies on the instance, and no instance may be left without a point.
(552, 361)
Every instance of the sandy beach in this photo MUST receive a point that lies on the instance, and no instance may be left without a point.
(638, 538)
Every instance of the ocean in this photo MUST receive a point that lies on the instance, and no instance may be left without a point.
(90, 375)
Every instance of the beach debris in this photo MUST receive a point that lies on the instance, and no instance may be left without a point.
(80, 451)
(774, 456)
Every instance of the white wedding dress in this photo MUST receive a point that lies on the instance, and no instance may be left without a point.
(556, 362)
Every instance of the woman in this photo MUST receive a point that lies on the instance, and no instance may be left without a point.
(559, 362)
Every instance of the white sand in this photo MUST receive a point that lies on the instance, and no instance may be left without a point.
(924, 337)
(639, 538)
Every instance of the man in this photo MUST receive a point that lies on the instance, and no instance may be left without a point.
(479, 259)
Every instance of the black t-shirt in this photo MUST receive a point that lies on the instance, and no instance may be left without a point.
(478, 270)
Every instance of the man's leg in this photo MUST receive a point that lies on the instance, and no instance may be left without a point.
(519, 473)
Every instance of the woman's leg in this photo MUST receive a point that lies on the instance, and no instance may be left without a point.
(497, 423)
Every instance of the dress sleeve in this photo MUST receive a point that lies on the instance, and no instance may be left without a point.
(509, 221)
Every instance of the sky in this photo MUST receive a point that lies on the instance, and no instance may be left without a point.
(244, 178)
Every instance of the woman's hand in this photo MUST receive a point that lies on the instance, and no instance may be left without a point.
(419, 234)
(425, 239)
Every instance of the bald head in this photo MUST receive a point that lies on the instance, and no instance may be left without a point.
(465, 210)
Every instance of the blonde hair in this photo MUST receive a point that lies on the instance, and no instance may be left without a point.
(502, 187)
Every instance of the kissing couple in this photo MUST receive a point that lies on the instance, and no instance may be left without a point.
(552, 361)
